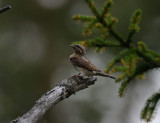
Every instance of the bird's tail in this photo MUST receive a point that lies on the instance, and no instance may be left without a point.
(100, 73)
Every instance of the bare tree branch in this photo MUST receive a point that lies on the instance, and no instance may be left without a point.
(62, 91)
(5, 8)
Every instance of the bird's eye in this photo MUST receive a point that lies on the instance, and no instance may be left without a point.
(80, 50)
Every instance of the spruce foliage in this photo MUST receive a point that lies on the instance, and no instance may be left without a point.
(132, 61)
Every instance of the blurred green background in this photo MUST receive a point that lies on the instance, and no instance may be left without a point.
(34, 49)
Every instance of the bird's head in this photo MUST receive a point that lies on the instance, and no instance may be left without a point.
(79, 49)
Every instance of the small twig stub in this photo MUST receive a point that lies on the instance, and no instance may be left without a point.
(5, 8)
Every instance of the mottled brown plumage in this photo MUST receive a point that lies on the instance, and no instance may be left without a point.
(83, 65)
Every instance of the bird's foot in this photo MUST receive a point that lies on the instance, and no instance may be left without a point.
(79, 75)
(82, 76)
(86, 77)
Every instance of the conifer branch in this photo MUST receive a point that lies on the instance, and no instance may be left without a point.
(115, 34)
(123, 87)
(83, 18)
(133, 27)
(87, 29)
(93, 8)
(149, 108)
(106, 8)
(134, 60)
(99, 42)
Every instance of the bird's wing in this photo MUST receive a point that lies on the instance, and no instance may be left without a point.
(83, 62)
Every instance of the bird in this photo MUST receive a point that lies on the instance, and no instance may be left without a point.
(83, 65)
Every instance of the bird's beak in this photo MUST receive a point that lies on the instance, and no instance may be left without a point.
(72, 46)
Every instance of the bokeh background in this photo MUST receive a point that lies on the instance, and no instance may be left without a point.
(34, 49)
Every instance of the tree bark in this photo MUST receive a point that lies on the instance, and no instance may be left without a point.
(63, 90)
